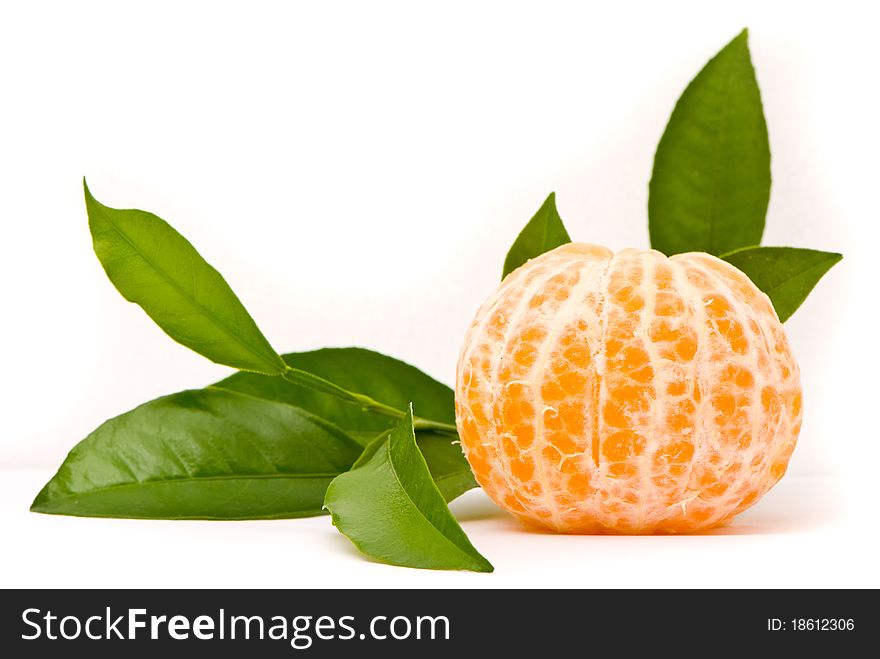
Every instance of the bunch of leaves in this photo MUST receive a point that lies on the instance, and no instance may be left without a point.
(362, 435)
(710, 187)
(266, 442)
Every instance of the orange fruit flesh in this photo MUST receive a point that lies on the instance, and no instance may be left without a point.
(627, 393)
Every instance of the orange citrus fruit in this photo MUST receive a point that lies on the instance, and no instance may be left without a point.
(627, 393)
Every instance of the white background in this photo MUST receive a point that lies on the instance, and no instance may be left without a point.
(357, 171)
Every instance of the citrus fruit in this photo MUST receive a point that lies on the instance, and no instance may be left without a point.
(627, 393)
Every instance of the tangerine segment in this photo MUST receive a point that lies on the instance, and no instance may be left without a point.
(627, 393)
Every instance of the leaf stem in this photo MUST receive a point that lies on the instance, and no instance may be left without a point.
(317, 383)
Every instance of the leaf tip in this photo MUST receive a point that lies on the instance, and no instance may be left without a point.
(39, 503)
(484, 566)
(91, 202)
(737, 48)
(741, 42)
(550, 204)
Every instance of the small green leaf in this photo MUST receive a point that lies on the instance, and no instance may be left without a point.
(390, 508)
(785, 274)
(152, 265)
(711, 182)
(208, 454)
(544, 232)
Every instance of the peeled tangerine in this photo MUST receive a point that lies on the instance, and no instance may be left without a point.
(627, 393)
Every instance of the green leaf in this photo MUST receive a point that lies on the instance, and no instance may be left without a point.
(208, 454)
(390, 508)
(385, 379)
(711, 182)
(543, 232)
(155, 267)
(785, 274)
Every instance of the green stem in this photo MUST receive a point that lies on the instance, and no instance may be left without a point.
(436, 426)
(317, 383)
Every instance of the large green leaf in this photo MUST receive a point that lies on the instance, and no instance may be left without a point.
(208, 454)
(711, 182)
(785, 274)
(385, 379)
(390, 508)
(543, 232)
(154, 266)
